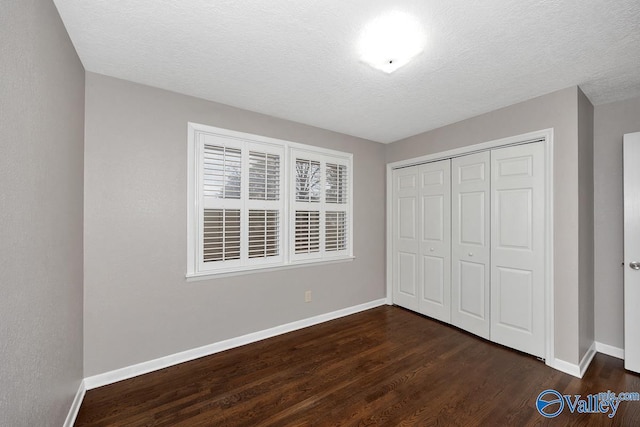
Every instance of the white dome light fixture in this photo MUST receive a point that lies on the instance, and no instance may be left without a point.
(391, 41)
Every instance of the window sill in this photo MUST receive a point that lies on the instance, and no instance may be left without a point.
(194, 277)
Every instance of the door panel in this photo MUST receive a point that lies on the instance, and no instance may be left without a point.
(472, 217)
(435, 243)
(433, 218)
(517, 247)
(405, 244)
(631, 161)
(472, 287)
(407, 180)
(472, 172)
(433, 290)
(407, 216)
(470, 249)
(514, 290)
(515, 224)
(432, 177)
(407, 274)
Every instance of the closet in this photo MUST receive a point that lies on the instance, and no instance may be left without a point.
(468, 243)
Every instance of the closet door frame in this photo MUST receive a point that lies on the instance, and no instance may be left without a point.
(545, 135)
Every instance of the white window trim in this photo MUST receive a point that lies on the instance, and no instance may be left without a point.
(287, 260)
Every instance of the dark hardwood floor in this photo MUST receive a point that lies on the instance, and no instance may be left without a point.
(385, 366)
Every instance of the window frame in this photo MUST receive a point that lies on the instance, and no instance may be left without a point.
(196, 268)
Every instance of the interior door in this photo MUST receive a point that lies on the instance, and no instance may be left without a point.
(631, 164)
(406, 242)
(517, 247)
(470, 245)
(435, 241)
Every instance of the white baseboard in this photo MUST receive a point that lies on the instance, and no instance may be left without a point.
(610, 350)
(196, 353)
(586, 360)
(75, 406)
(566, 367)
(573, 369)
(579, 370)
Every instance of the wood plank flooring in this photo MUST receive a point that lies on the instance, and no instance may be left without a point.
(385, 366)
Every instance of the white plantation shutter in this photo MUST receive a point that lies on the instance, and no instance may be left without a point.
(256, 202)
(308, 185)
(241, 204)
(264, 176)
(265, 203)
(221, 237)
(222, 172)
(264, 233)
(337, 197)
(307, 232)
(337, 183)
(221, 180)
(321, 214)
(336, 231)
(308, 192)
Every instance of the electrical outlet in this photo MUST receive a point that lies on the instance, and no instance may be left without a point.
(307, 296)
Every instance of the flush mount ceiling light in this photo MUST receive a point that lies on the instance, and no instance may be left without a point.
(390, 41)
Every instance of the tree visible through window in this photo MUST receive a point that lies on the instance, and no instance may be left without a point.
(307, 181)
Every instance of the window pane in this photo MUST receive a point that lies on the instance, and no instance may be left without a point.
(307, 181)
(335, 231)
(336, 185)
(222, 178)
(264, 176)
(264, 233)
(221, 239)
(307, 232)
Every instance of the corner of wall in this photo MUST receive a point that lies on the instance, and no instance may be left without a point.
(586, 289)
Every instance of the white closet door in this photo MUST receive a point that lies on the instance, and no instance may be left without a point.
(517, 248)
(435, 242)
(470, 246)
(406, 242)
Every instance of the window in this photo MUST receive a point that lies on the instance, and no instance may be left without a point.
(321, 206)
(257, 202)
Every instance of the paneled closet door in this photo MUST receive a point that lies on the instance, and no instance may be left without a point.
(470, 243)
(435, 240)
(517, 247)
(406, 242)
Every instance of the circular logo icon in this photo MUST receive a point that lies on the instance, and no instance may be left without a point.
(550, 403)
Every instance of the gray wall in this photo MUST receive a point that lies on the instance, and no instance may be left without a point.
(138, 305)
(611, 122)
(41, 179)
(585, 187)
(558, 110)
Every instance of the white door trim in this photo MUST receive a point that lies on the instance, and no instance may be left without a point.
(547, 136)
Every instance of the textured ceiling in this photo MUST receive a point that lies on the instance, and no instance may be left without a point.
(297, 59)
